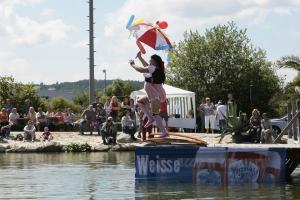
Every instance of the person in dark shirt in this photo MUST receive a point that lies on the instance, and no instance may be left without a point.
(4, 128)
(231, 102)
(27, 106)
(97, 102)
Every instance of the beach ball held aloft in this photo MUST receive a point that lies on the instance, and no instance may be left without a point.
(142, 49)
(162, 24)
(130, 21)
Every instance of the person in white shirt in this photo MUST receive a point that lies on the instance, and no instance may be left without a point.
(41, 118)
(13, 116)
(221, 112)
(49, 113)
(50, 122)
(29, 131)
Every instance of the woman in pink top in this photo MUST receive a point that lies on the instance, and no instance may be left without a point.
(154, 73)
(60, 116)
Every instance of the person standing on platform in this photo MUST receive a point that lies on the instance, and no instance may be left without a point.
(202, 114)
(8, 106)
(96, 102)
(27, 107)
(154, 73)
(231, 102)
(114, 108)
(221, 112)
(209, 115)
(126, 104)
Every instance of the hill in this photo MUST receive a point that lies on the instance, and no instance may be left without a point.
(82, 85)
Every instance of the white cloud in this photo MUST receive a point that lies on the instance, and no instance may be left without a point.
(81, 44)
(48, 13)
(19, 68)
(23, 31)
(194, 13)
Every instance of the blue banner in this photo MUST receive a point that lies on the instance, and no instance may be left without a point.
(209, 165)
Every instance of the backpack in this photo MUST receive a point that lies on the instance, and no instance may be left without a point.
(18, 137)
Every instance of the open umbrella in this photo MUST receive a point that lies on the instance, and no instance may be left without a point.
(150, 35)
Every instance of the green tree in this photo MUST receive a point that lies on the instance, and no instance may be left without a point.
(223, 61)
(115, 89)
(18, 93)
(291, 90)
(82, 98)
(62, 103)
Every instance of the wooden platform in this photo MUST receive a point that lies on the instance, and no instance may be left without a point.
(184, 139)
(179, 139)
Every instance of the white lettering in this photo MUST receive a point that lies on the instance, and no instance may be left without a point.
(142, 162)
(176, 166)
(170, 167)
(157, 164)
(163, 166)
(152, 166)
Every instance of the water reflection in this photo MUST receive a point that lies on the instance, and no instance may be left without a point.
(111, 176)
(189, 191)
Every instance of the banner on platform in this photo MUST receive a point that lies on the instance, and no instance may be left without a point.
(209, 165)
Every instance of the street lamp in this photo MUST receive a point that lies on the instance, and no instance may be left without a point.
(104, 71)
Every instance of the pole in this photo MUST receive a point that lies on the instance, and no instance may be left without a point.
(104, 71)
(91, 37)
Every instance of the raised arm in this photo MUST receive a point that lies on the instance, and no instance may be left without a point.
(138, 68)
(139, 56)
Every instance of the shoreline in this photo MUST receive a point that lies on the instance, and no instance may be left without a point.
(124, 143)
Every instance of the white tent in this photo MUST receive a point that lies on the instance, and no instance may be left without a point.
(180, 102)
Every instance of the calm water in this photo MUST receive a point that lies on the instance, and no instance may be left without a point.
(111, 176)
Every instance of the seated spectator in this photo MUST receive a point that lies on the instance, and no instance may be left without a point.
(49, 113)
(87, 117)
(4, 113)
(29, 132)
(127, 125)
(60, 116)
(67, 120)
(46, 135)
(41, 119)
(50, 122)
(32, 116)
(13, 116)
(72, 116)
(267, 132)
(101, 117)
(255, 126)
(4, 127)
(109, 129)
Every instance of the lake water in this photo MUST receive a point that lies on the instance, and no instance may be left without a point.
(111, 176)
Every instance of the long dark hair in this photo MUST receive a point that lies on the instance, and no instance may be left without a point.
(160, 65)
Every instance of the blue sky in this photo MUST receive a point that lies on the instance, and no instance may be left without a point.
(46, 40)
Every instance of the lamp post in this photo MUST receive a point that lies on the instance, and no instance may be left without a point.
(104, 71)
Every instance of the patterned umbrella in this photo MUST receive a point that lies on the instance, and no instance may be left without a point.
(150, 35)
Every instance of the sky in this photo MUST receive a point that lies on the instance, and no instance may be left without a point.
(47, 40)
